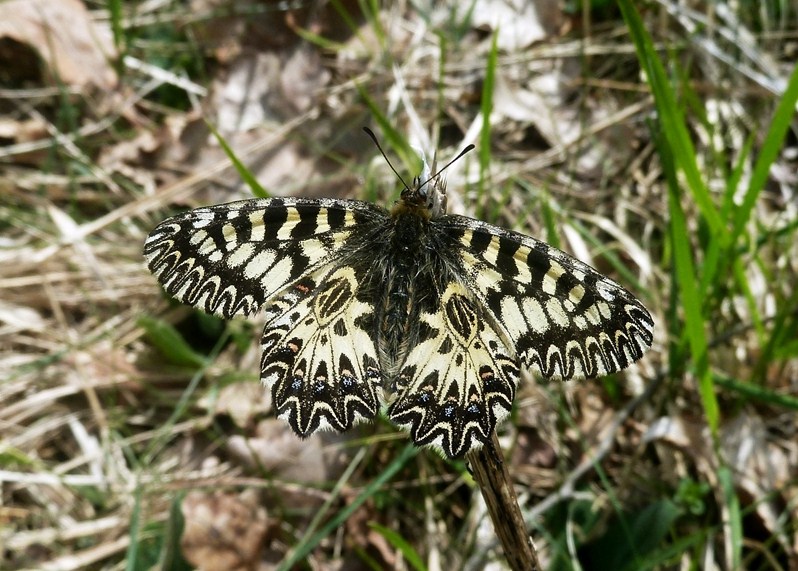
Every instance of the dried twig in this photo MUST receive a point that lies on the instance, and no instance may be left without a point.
(490, 472)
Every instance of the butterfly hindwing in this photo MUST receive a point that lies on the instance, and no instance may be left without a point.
(319, 358)
(458, 380)
(230, 259)
(563, 318)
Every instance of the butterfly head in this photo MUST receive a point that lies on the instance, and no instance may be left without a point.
(428, 191)
(426, 196)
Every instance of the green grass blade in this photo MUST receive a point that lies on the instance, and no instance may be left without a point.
(117, 29)
(170, 343)
(401, 545)
(750, 391)
(243, 171)
(171, 555)
(688, 290)
(371, 11)
(732, 503)
(771, 147)
(393, 138)
(677, 153)
(304, 548)
(673, 124)
(740, 275)
(318, 40)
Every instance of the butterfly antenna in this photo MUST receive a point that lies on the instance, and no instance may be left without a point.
(371, 134)
(464, 151)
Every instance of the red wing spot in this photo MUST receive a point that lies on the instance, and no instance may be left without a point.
(486, 374)
(293, 347)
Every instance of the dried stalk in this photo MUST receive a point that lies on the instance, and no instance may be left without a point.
(490, 472)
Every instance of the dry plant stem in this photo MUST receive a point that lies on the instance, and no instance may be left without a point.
(490, 472)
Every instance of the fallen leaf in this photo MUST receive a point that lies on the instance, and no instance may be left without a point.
(224, 530)
(243, 402)
(75, 48)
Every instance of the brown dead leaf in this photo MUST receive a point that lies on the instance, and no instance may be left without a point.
(224, 530)
(596, 419)
(365, 537)
(243, 402)
(758, 463)
(20, 132)
(249, 94)
(538, 444)
(538, 100)
(222, 33)
(14, 318)
(101, 364)
(760, 466)
(277, 449)
(25, 131)
(74, 47)
(690, 437)
(302, 78)
(249, 26)
(128, 156)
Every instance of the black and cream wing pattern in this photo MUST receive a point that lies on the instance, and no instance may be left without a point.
(426, 315)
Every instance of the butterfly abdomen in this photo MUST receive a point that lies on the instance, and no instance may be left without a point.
(403, 280)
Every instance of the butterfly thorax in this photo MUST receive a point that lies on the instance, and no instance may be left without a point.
(408, 283)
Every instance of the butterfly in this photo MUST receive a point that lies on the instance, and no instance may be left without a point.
(429, 314)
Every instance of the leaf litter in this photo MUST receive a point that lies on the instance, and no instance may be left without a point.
(92, 415)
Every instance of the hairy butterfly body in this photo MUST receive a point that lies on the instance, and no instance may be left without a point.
(431, 314)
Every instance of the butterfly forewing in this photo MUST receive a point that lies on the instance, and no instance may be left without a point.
(561, 316)
(230, 259)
